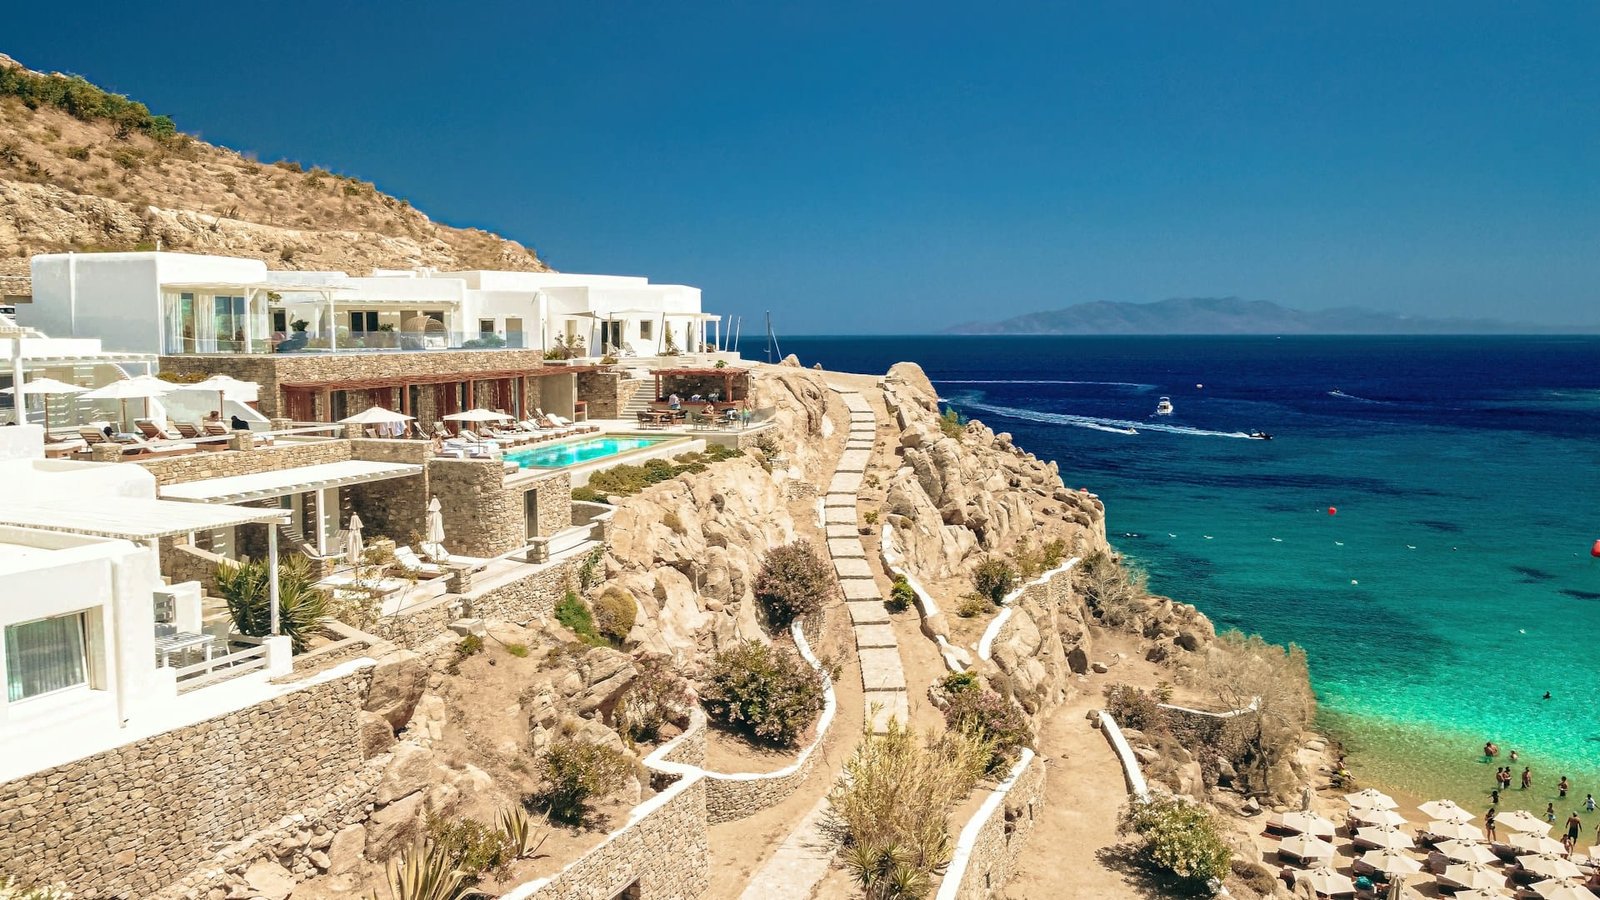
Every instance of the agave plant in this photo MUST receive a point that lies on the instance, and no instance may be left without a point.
(524, 838)
(423, 872)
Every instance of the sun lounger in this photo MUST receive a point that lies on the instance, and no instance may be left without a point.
(215, 429)
(153, 431)
(187, 431)
(411, 562)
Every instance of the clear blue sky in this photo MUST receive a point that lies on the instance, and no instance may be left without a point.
(881, 166)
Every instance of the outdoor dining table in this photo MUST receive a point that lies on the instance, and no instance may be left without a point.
(182, 642)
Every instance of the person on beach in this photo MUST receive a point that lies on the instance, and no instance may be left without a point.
(1574, 828)
(1513, 756)
(1563, 786)
(1488, 825)
(1550, 813)
(1588, 803)
(1494, 797)
(1527, 777)
(1490, 750)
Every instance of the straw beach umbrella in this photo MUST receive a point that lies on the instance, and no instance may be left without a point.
(1306, 847)
(376, 415)
(1391, 862)
(1524, 821)
(1534, 843)
(1459, 831)
(1466, 851)
(1371, 798)
(43, 387)
(1549, 865)
(1445, 811)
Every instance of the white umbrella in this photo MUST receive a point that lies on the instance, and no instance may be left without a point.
(1558, 889)
(1306, 846)
(477, 415)
(1385, 838)
(434, 546)
(42, 387)
(1522, 820)
(1302, 822)
(1530, 842)
(352, 544)
(1550, 865)
(1371, 799)
(143, 387)
(1377, 817)
(1445, 811)
(376, 415)
(1466, 851)
(1482, 894)
(1455, 830)
(1391, 862)
(1325, 880)
(1474, 877)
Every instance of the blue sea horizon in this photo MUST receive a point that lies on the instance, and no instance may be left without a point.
(1452, 588)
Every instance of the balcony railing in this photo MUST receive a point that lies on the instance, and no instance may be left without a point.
(221, 668)
(409, 341)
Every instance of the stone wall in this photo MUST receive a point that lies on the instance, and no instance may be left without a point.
(554, 491)
(986, 853)
(479, 517)
(1198, 728)
(397, 507)
(224, 463)
(534, 596)
(130, 821)
(182, 562)
(607, 392)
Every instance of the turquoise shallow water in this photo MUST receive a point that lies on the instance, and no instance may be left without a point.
(1451, 590)
(571, 453)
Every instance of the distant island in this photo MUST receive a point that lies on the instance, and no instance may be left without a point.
(1231, 315)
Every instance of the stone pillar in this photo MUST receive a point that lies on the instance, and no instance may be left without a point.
(277, 424)
(106, 452)
(242, 440)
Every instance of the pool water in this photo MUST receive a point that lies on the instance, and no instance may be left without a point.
(572, 453)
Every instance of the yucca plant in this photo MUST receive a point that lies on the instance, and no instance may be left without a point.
(423, 872)
(521, 834)
(301, 606)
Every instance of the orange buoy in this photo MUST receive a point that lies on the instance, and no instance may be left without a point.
(1595, 550)
(1333, 510)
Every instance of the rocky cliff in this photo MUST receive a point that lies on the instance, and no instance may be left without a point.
(81, 169)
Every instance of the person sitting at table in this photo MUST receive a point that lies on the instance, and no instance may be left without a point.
(674, 401)
(710, 411)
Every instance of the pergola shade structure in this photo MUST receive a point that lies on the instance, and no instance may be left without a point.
(731, 385)
(282, 482)
(428, 396)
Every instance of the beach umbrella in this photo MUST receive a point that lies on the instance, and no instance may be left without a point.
(1473, 876)
(1549, 865)
(1445, 811)
(1377, 817)
(352, 543)
(1307, 847)
(477, 415)
(1306, 823)
(1482, 894)
(1529, 842)
(1562, 889)
(1385, 838)
(1391, 862)
(1371, 798)
(434, 546)
(1325, 880)
(376, 415)
(1466, 851)
(227, 388)
(1522, 820)
(1453, 830)
(143, 387)
(43, 387)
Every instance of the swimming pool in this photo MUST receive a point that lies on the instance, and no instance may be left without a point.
(571, 453)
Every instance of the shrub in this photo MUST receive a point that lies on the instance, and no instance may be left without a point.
(1032, 562)
(78, 98)
(994, 578)
(577, 771)
(471, 846)
(424, 872)
(574, 614)
(995, 719)
(1134, 708)
(901, 595)
(889, 808)
(766, 694)
(1114, 592)
(470, 645)
(1179, 838)
(973, 604)
(300, 605)
(952, 423)
(589, 572)
(956, 682)
(614, 614)
(659, 694)
(520, 651)
(588, 494)
(625, 480)
(793, 583)
(10, 890)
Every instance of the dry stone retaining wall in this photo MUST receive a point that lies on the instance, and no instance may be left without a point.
(131, 820)
(226, 463)
(986, 853)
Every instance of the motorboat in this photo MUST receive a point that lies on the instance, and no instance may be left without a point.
(1260, 435)
(1164, 407)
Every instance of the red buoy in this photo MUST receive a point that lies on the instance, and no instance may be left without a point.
(1333, 510)
(1595, 550)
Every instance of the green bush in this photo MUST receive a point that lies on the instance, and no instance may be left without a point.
(766, 694)
(794, 582)
(956, 682)
(471, 846)
(1179, 838)
(574, 614)
(659, 694)
(952, 423)
(470, 645)
(576, 772)
(973, 604)
(301, 606)
(998, 721)
(1034, 562)
(994, 578)
(520, 651)
(587, 494)
(901, 595)
(78, 98)
(614, 614)
(1135, 708)
(626, 480)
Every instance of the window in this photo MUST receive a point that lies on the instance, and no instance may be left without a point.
(280, 321)
(647, 330)
(486, 326)
(45, 656)
(363, 321)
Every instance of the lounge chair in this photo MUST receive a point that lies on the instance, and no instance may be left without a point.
(153, 431)
(409, 561)
(187, 431)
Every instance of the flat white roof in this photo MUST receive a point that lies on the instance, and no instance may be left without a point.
(131, 518)
(263, 485)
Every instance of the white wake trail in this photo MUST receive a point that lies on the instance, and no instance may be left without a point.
(1118, 426)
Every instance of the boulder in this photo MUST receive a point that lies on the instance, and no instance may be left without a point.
(397, 684)
(377, 735)
(269, 880)
(344, 854)
(1078, 661)
(392, 827)
(1187, 640)
(411, 768)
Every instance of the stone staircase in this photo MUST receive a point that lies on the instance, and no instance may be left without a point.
(639, 402)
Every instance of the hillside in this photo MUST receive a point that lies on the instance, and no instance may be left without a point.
(83, 169)
(1231, 315)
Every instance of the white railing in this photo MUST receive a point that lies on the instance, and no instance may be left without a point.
(222, 668)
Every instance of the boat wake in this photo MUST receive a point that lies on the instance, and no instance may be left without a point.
(1126, 384)
(1343, 396)
(1115, 426)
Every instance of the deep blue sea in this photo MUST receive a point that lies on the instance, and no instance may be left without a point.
(1451, 590)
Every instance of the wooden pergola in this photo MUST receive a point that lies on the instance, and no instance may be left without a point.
(453, 391)
(735, 382)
